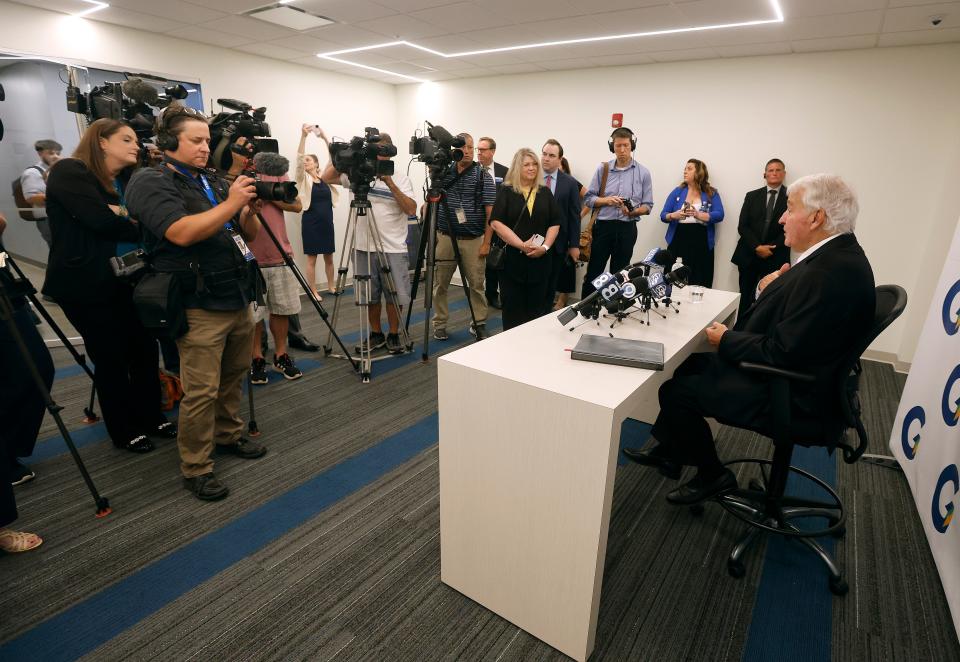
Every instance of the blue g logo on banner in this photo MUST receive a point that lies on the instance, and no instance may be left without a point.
(912, 444)
(950, 407)
(951, 311)
(949, 476)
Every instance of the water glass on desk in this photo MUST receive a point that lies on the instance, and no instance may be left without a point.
(696, 293)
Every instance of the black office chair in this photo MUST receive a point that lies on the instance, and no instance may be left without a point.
(764, 505)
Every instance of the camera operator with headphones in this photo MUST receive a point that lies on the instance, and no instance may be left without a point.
(196, 226)
(620, 192)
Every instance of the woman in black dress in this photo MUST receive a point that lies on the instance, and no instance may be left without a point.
(526, 218)
(317, 199)
(90, 225)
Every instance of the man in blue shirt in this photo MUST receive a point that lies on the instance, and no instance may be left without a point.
(627, 195)
(470, 194)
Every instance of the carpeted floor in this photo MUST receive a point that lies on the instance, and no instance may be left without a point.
(328, 547)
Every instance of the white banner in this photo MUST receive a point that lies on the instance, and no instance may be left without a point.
(926, 435)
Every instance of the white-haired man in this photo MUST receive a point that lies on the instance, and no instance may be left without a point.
(806, 317)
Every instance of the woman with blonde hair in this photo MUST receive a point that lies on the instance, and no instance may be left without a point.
(526, 218)
(318, 200)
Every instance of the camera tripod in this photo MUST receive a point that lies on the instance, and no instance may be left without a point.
(7, 313)
(362, 211)
(426, 253)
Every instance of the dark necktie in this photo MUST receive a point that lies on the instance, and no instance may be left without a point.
(768, 215)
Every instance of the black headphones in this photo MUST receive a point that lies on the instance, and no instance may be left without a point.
(633, 139)
(165, 141)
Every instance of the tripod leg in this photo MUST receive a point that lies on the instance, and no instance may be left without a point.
(89, 413)
(346, 257)
(388, 284)
(425, 231)
(252, 428)
(6, 312)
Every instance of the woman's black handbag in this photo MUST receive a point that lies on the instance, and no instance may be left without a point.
(496, 258)
(159, 303)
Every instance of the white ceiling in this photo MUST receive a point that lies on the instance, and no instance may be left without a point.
(452, 26)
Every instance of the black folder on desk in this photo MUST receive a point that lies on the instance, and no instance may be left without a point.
(619, 351)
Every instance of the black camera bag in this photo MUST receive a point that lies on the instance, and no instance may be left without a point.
(157, 298)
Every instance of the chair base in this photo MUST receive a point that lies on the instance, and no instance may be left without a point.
(766, 513)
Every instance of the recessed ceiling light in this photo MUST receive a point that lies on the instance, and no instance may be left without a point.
(332, 55)
(97, 6)
(290, 17)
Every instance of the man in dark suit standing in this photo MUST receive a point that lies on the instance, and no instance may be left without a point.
(567, 193)
(806, 318)
(486, 148)
(761, 250)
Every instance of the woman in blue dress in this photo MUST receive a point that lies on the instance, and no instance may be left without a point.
(318, 201)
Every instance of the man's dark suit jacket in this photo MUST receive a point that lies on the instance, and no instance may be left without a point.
(805, 320)
(499, 172)
(567, 194)
(751, 226)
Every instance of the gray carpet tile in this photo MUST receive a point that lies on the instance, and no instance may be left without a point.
(360, 579)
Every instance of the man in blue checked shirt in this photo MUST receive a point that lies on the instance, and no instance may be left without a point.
(627, 195)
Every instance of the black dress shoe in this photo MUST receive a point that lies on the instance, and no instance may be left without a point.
(301, 343)
(166, 430)
(206, 487)
(653, 457)
(244, 448)
(697, 490)
(139, 444)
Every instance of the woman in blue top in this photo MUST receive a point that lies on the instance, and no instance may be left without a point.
(693, 209)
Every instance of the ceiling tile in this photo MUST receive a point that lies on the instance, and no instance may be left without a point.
(834, 43)
(684, 54)
(508, 35)
(590, 6)
(753, 34)
(909, 3)
(450, 43)
(749, 50)
(919, 37)
(645, 19)
(531, 10)
(405, 6)
(184, 12)
(837, 25)
(714, 12)
(272, 50)
(346, 11)
(250, 28)
(230, 6)
(520, 68)
(462, 16)
(564, 64)
(207, 36)
(796, 8)
(496, 59)
(903, 19)
(620, 60)
(133, 19)
(349, 36)
(402, 27)
(306, 45)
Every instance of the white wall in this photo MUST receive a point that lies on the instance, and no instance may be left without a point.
(886, 119)
(293, 93)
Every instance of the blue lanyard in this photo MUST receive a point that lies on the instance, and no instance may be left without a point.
(205, 185)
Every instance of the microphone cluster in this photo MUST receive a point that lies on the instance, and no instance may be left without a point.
(643, 283)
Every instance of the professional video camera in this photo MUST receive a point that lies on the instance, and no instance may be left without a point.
(245, 121)
(132, 101)
(438, 149)
(274, 166)
(358, 160)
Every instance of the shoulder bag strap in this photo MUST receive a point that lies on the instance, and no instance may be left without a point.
(603, 188)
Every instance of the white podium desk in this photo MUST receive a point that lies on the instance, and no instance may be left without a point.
(528, 455)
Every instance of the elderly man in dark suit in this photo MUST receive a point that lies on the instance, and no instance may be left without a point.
(566, 191)
(760, 249)
(806, 318)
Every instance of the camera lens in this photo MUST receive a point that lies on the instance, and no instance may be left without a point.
(277, 191)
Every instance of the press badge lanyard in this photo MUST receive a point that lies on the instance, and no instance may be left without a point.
(228, 226)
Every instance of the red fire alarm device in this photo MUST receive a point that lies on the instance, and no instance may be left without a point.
(617, 120)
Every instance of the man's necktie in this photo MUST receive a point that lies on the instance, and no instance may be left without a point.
(768, 216)
(548, 182)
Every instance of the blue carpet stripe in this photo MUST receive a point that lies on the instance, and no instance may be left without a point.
(793, 612)
(101, 617)
(53, 446)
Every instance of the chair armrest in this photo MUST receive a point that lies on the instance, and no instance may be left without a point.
(771, 371)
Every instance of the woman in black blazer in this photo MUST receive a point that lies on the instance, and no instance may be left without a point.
(89, 224)
(526, 218)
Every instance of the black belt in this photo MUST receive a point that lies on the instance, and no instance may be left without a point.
(459, 236)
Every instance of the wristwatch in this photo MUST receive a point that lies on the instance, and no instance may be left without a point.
(546, 247)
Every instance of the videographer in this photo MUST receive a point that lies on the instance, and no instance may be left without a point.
(21, 406)
(196, 227)
(283, 291)
(470, 194)
(90, 224)
(33, 183)
(392, 203)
